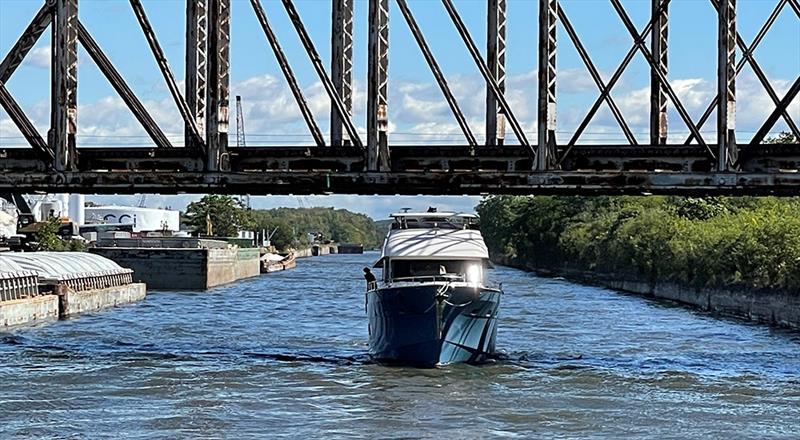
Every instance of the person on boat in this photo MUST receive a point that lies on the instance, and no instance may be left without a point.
(370, 277)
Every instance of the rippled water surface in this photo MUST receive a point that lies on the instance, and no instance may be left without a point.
(284, 355)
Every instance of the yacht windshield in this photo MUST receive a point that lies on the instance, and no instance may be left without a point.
(452, 269)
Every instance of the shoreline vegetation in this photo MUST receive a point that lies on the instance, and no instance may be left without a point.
(736, 255)
(699, 242)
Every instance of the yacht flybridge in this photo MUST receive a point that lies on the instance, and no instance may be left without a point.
(433, 304)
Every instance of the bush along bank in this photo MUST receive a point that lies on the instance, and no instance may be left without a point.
(736, 256)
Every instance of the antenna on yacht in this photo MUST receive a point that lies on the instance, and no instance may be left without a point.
(405, 210)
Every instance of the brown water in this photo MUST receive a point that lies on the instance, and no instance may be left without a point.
(284, 356)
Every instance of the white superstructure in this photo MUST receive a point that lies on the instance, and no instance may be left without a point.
(142, 219)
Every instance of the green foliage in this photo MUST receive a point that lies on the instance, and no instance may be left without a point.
(782, 138)
(228, 216)
(338, 225)
(750, 242)
(47, 236)
(47, 239)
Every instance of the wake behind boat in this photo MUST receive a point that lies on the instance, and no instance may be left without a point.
(433, 305)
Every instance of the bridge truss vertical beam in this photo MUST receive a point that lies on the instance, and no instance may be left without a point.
(342, 66)
(64, 89)
(548, 10)
(658, 98)
(218, 83)
(196, 59)
(726, 86)
(378, 86)
(496, 58)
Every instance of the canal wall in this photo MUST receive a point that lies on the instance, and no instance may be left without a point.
(185, 269)
(316, 250)
(73, 302)
(767, 306)
(28, 310)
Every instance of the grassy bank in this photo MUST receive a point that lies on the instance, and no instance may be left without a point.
(697, 242)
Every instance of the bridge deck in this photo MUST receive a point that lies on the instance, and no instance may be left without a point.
(672, 169)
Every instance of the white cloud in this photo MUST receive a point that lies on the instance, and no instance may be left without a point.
(418, 112)
(39, 57)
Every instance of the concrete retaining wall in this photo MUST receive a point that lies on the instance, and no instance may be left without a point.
(185, 269)
(73, 302)
(28, 310)
(315, 251)
(760, 305)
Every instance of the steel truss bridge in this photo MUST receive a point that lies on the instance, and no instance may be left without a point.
(372, 164)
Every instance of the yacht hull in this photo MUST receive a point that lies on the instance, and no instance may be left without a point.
(432, 324)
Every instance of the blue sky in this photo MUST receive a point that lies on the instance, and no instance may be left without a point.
(417, 113)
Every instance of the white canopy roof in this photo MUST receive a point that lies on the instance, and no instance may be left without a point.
(62, 265)
(435, 244)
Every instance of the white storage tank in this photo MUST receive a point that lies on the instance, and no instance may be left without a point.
(142, 219)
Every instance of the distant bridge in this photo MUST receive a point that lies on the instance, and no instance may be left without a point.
(350, 163)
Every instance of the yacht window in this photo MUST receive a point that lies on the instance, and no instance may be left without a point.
(434, 268)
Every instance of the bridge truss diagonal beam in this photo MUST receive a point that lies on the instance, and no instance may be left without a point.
(496, 59)
(791, 94)
(166, 72)
(595, 74)
(748, 59)
(118, 83)
(288, 74)
(437, 73)
(612, 81)
(196, 67)
(637, 38)
(342, 66)
(316, 61)
(487, 76)
(662, 78)
(25, 125)
(26, 42)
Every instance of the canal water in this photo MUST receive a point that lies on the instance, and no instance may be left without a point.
(284, 356)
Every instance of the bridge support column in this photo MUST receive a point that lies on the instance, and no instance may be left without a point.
(218, 77)
(658, 98)
(342, 66)
(196, 58)
(496, 58)
(377, 86)
(64, 91)
(726, 86)
(545, 156)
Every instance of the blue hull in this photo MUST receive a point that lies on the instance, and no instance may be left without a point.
(409, 326)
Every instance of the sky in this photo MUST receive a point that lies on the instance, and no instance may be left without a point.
(417, 112)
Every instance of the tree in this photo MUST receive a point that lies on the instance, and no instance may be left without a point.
(782, 138)
(47, 236)
(225, 214)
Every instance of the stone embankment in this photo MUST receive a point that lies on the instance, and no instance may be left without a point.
(767, 306)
